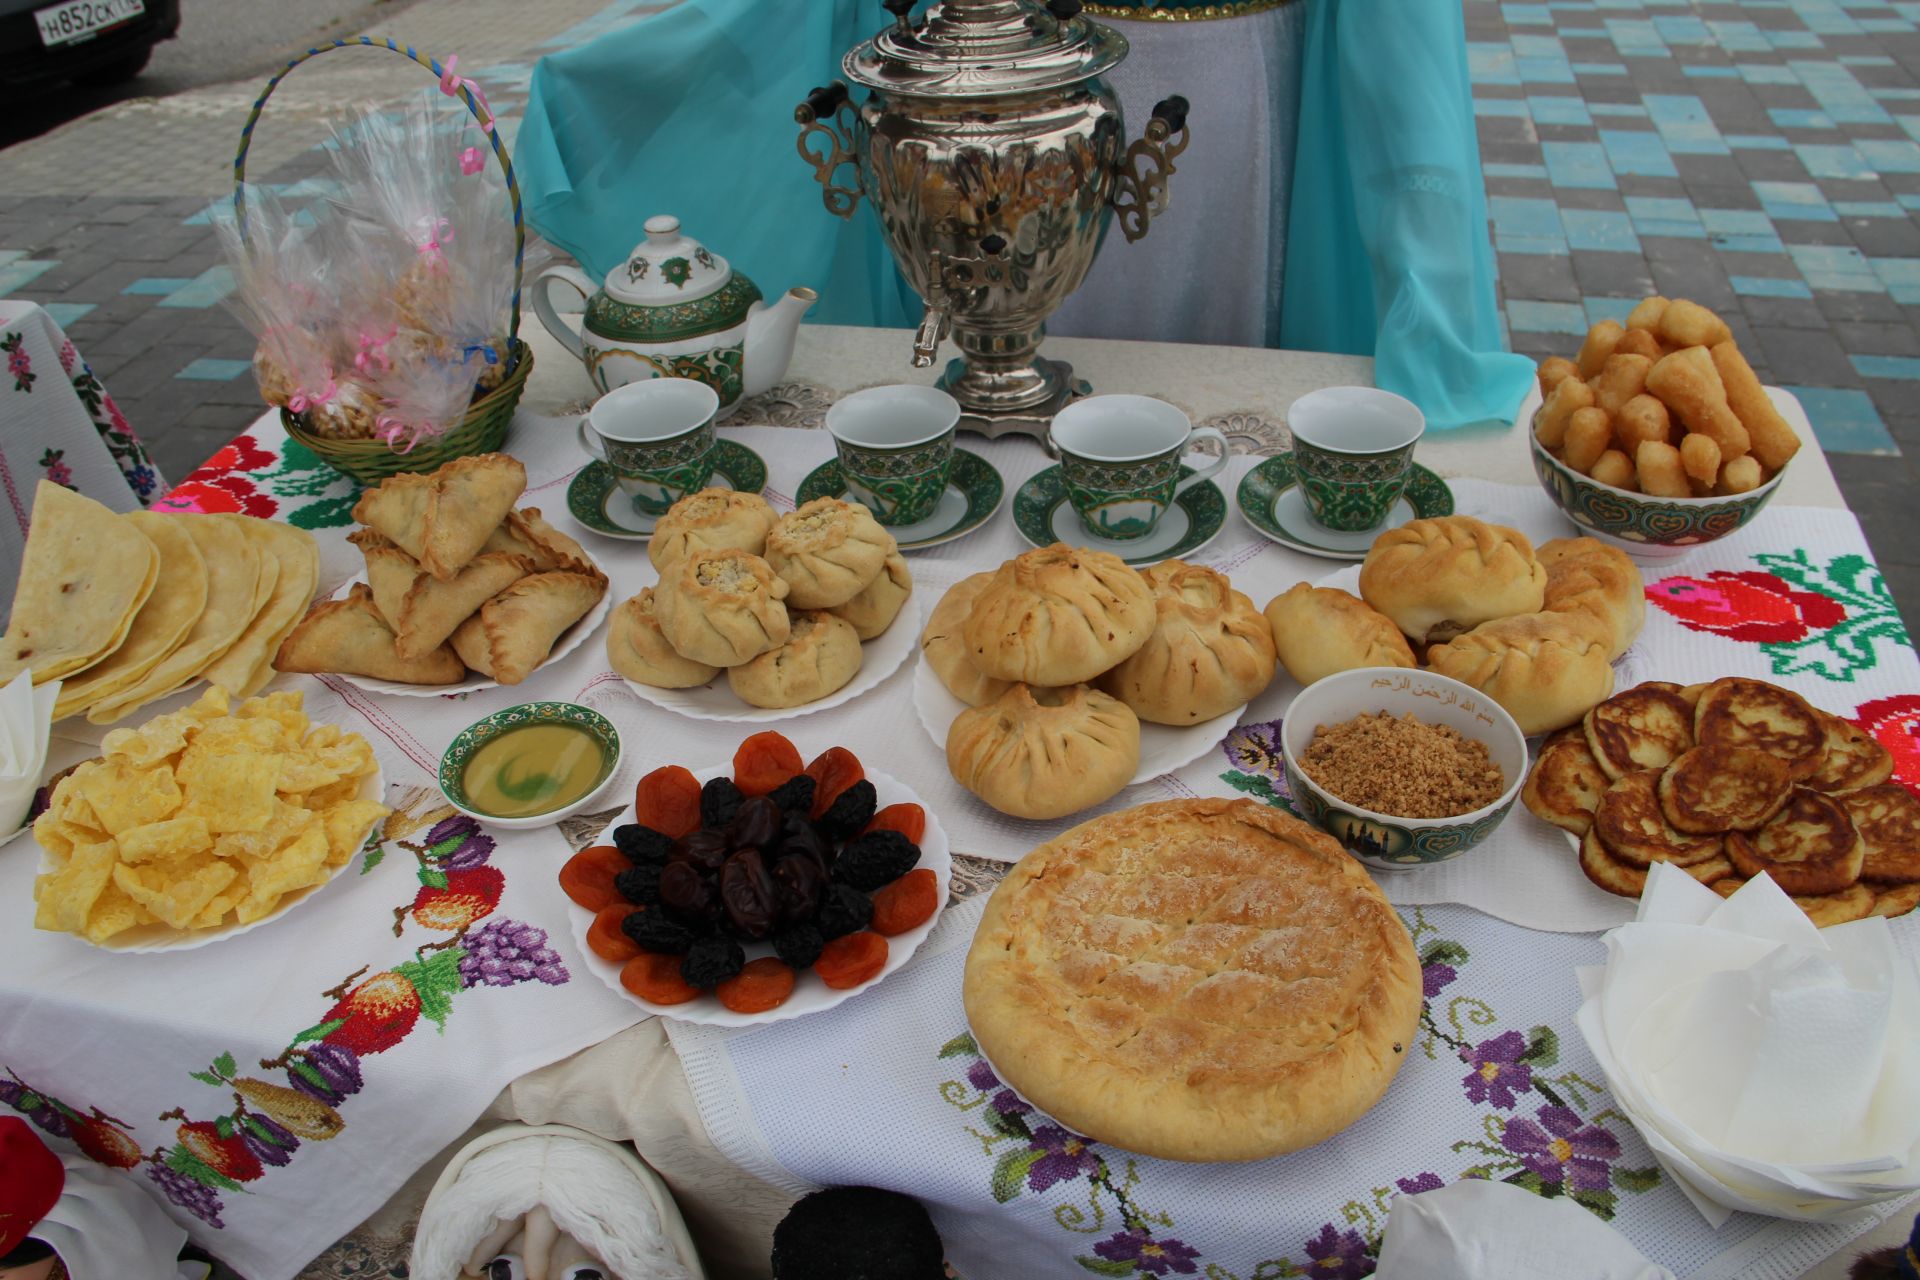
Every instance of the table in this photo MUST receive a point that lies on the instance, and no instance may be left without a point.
(630, 1085)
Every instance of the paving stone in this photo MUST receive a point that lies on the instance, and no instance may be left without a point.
(1868, 338)
(1800, 356)
(1794, 313)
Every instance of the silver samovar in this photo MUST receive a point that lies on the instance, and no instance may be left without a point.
(993, 151)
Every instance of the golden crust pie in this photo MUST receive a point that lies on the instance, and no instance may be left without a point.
(1194, 980)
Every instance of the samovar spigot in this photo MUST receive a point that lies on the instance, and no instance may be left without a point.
(902, 11)
(949, 278)
(1140, 187)
(828, 114)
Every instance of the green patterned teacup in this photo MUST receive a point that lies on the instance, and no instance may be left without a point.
(657, 437)
(896, 449)
(1353, 451)
(1121, 459)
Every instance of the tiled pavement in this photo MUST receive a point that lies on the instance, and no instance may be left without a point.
(1758, 157)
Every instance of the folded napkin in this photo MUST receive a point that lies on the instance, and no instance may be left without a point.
(1769, 1065)
(26, 718)
(1474, 1230)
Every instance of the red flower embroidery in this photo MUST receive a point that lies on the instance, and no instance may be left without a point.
(1895, 724)
(1756, 607)
(219, 493)
(242, 453)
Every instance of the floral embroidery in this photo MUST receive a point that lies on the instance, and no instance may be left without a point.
(1254, 752)
(324, 1064)
(122, 445)
(1895, 724)
(243, 476)
(52, 461)
(1804, 617)
(68, 355)
(18, 363)
(1566, 1147)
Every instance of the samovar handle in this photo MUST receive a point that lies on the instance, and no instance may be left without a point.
(1140, 186)
(828, 113)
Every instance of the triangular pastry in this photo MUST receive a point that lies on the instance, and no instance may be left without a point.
(522, 622)
(349, 637)
(443, 520)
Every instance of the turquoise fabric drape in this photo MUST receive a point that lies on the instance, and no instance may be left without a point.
(690, 112)
(1387, 250)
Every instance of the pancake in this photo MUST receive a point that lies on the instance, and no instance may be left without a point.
(1896, 899)
(1855, 902)
(1565, 784)
(1642, 728)
(1713, 789)
(1628, 880)
(1629, 824)
(1737, 712)
(1888, 820)
(1810, 847)
(1854, 758)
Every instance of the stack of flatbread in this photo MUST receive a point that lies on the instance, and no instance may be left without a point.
(126, 609)
(457, 579)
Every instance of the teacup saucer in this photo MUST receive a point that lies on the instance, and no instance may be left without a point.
(594, 497)
(974, 492)
(1271, 500)
(1044, 516)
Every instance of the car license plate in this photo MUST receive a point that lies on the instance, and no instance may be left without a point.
(79, 19)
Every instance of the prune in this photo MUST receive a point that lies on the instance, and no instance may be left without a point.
(798, 882)
(843, 910)
(711, 961)
(719, 801)
(795, 795)
(704, 849)
(799, 946)
(639, 885)
(652, 931)
(756, 825)
(688, 896)
(850, 812)
(876, 858)
(642, 844)
(746, 891)
(799, 835)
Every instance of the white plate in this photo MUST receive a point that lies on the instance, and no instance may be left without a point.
(160, 937)
(716, 700)
(568, 641)
(1163, 747)
(810, 995)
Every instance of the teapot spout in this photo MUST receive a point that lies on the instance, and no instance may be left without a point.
(770, 334)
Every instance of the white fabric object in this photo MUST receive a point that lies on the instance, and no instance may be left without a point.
(1770, 1065)
(1476, 1230)
(1210, 267)
(26, 720)
(594, 1191)
(105, 1226)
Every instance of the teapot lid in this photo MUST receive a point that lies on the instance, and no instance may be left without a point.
(984, 48)
(667, 267)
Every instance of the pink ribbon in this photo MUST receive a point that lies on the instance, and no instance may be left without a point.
(472, 161)
(302, 400)
(373, 350)
(451, 84)
(390, 429)
(439, 236)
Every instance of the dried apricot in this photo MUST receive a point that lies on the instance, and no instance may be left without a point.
(763, 762)
(762, 985)
(656, 979)
(832, 771)
(605, 938)
(587, 877)
(668, 800)
(852, 960)
(910, 820)
(907, 903)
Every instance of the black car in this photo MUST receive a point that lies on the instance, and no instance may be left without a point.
(88, 42)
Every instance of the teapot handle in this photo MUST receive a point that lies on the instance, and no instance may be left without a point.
(565, 334)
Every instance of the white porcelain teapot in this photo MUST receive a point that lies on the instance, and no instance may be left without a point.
(675, 309)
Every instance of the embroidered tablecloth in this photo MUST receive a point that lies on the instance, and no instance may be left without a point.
(57, 423)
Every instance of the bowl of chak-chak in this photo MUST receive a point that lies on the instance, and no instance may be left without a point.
(1659, 436)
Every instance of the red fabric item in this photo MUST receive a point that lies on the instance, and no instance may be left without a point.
(30, 1181)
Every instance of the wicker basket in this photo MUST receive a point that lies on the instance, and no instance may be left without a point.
(485, 425)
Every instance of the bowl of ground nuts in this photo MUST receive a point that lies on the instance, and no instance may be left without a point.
(1403, 767)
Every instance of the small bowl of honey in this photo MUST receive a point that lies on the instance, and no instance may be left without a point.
(531, 765)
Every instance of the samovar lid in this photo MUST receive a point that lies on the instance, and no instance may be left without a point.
(985, 48)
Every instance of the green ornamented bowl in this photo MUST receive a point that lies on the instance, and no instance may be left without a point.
(1378, 839)
(1645, 527)
(453, 763)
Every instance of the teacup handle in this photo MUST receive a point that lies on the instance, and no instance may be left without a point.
(587, 441)
(1212, 469)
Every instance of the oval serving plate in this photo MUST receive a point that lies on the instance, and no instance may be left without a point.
(810, 994)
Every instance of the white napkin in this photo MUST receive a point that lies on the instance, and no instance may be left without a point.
(26, 719)
(1770, 1065)
(1476, 1230)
